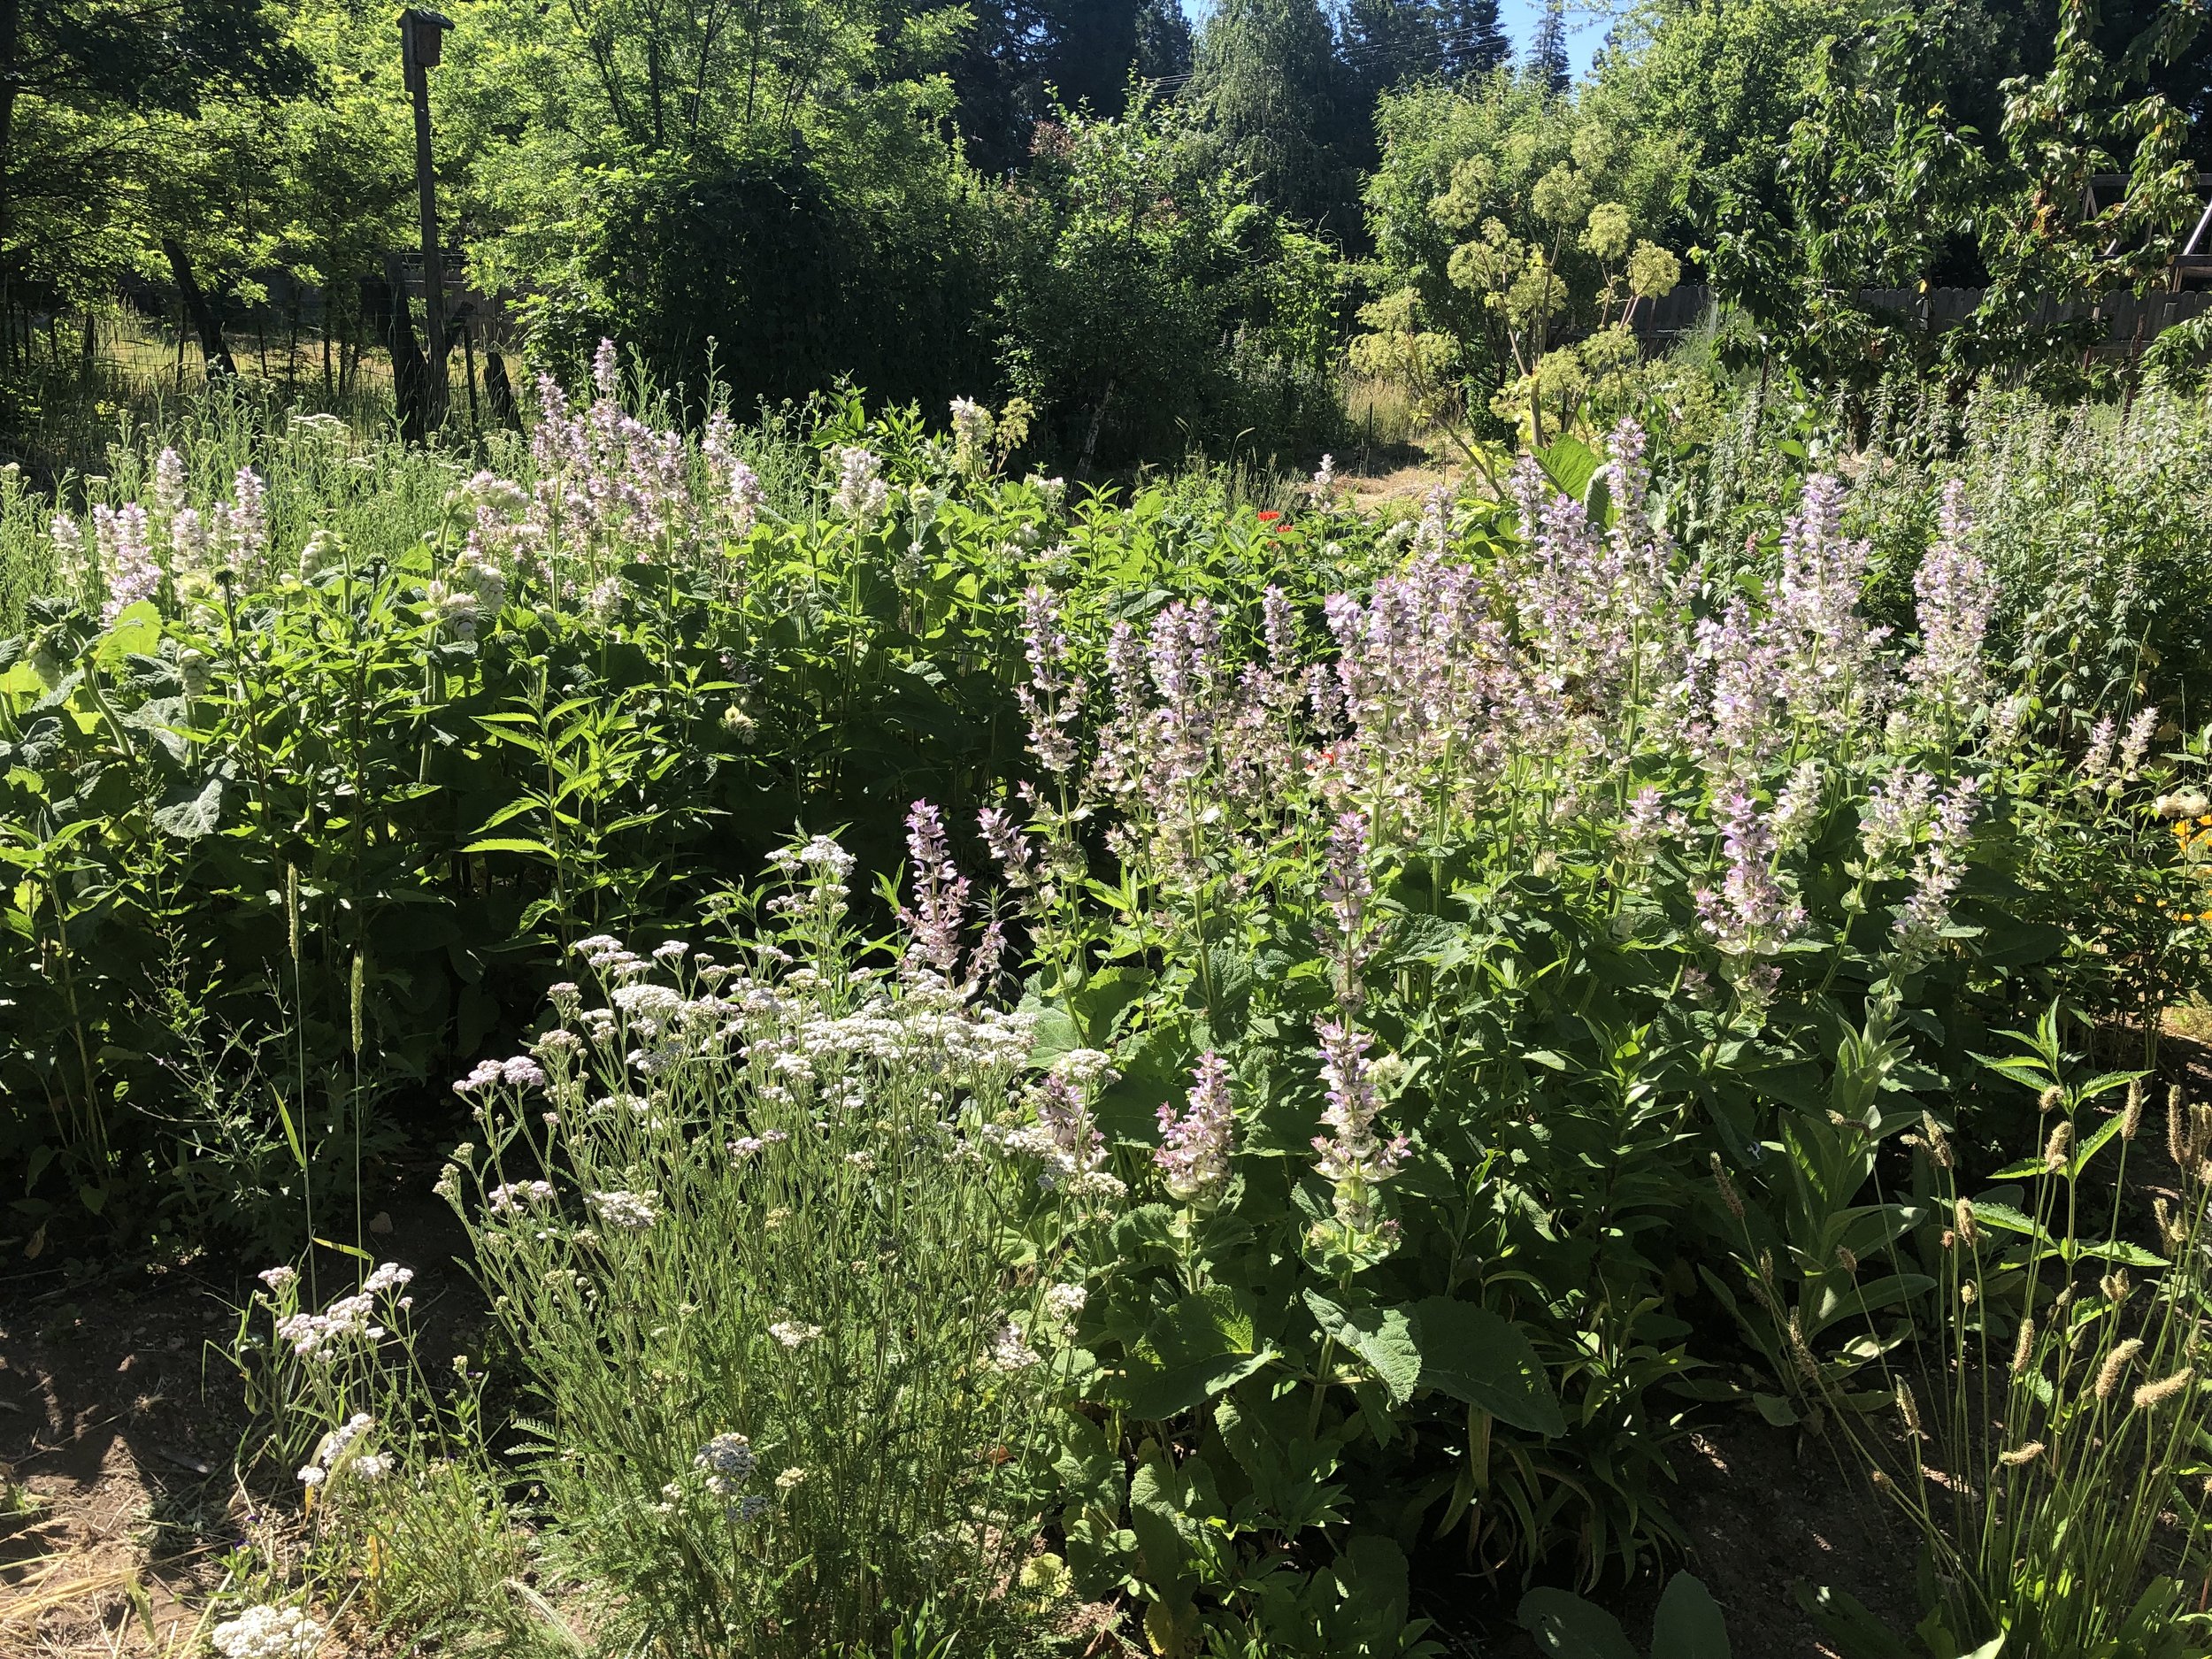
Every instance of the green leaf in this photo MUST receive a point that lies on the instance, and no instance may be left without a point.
(2005, 1218)
(510, 844)
(188, 814)
(1191, 1353)
(1776, 1410)
(1566, 1626)
(1844, 1620)
(1483, 1359)
(1571, 465)
(1383, 1337)
(1689, 1624)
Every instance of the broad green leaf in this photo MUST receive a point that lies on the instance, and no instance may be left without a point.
(1484, 1360)
(1383, 1337)
(1566, 1626)
(1196, 1350)
(188, 813)
(1571, 465)
(510, 844)
(1688, 1625)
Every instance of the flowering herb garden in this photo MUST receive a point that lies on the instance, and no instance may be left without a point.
(1043, 1070)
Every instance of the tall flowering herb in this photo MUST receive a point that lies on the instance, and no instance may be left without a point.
(168, 483)
(1937, 867)
(1752, 913)
(1278, 628)
(2097, 760)
(1122, 745)
(1423, 672)
(1010, 843)
(2135, 742)
(1065, 1136)
(1347, 890)
(1192, 1156)
(1957, 594)
(941, 897)
(1053, 699)
(1733, 690)
(862, 497)
(606, 481)
(1831, 673)
(1353, 1158)
(127, 558)
(971, 432)
(1183, 655)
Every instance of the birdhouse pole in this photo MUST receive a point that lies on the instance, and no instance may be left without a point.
(421, 36)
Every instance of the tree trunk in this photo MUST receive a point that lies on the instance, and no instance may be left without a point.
(499, 391)
(203, 321)
(10, 45)
(411, 371)
(1090, 438)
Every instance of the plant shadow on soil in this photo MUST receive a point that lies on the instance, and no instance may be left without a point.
(122, 1424)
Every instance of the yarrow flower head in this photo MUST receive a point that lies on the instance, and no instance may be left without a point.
(633, 1212)
(1010, 1351)
(791, 1333)
(268, 1632)
(515, 1198)
(729, 1463)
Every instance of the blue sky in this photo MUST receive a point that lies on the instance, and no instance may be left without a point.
(1585, 33)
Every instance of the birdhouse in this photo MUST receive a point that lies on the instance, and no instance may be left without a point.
(422, 36)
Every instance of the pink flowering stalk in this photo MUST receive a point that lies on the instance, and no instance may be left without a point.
(1119, 769)
(1347, 889)
(127, 558)
(1194, 1147)
(1010, 843)
(941, 897)
(1354, 1160)
(2135, 742)
(1065, 1137)
(1957, 596)
(1053, 699)
(861, 495)
(1937, 870)
(2096, 763)
(168, 482)
(1830, 669)
(1182, 655)
(1752, 913)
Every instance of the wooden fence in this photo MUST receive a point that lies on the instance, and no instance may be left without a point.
(2126, 322)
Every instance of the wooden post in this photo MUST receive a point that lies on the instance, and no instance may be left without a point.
(421, 36)
(468, 370)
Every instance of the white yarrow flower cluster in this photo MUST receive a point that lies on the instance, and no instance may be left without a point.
(268, 1632)
(633, 1212)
